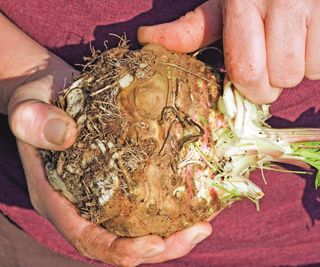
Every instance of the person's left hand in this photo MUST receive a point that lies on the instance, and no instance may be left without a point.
(30, 79)
(37, 123)
(94, 241)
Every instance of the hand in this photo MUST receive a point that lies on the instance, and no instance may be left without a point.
(268, 44)
(36, 123)
(94, 241)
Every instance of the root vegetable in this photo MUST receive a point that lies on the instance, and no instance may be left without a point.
(160, 147)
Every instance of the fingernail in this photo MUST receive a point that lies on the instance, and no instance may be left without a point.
(55, 131)
(199, 238)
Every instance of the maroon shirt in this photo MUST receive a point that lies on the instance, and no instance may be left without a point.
(285, 232)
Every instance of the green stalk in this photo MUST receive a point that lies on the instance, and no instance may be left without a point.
(310, 152)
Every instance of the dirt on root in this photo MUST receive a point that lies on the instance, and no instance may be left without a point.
(137, 113)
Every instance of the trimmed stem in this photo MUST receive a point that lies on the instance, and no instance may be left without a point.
(294, 135)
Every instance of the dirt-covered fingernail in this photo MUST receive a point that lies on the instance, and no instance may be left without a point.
(55, 131)
(198, 238)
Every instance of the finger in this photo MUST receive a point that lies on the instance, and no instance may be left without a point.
(285, 26)
(34, 121)
(89, 239)
(196, 29)
(134, 251)
(48, 202)
(312, 68)
(95, 242)
(182, 242)
(245, 51)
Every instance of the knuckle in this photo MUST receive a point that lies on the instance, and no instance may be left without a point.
(312, 75)
(286, 80)
(291, 7)
(14, 117)
(264, 94)
(245, 74)
(20, 116)
(271, 97)
(84, 241)
(124, 261)
(89, 243)
(81, 247)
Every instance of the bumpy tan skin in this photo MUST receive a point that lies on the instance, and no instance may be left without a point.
(159, 207)
(161, 110)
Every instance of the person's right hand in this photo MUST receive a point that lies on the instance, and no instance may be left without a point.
(268, 44)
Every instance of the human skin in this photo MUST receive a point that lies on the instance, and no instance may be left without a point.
(268, 44)
(30, 78)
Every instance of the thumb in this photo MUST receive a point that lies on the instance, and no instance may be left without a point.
(196, 29)
(35, 121)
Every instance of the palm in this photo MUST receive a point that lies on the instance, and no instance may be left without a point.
(92, 240)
